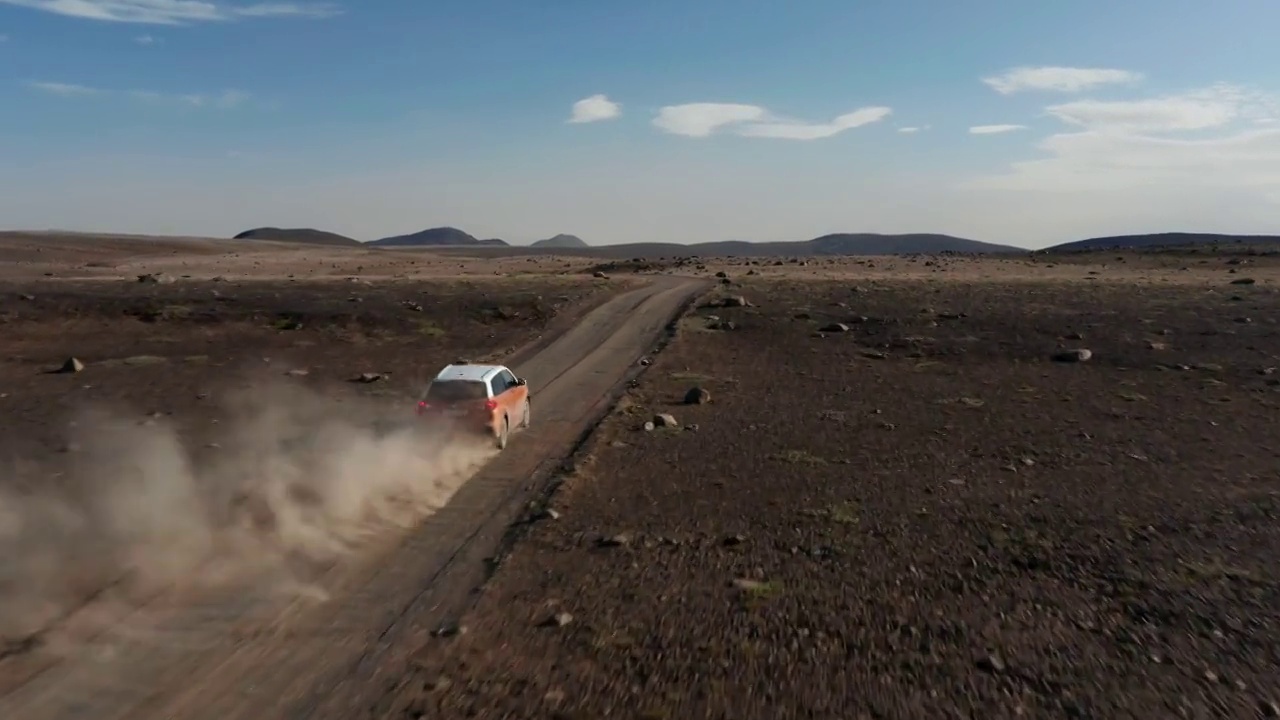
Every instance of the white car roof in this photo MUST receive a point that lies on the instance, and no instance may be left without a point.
(469, 372)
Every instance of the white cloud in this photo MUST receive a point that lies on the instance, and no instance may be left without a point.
(595, 109)
(64, 89)
(1140, 148)
(226, 100)
(1058, 79)
(995, 129)
(144, 40)
(1211, 107)
(173, 12)
(705, 119)
(1094, 160)
(908, 130)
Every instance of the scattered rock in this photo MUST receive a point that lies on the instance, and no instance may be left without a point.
(834, 328)
(665, 420)
(1073, 356)
(697, 396)
(155, 278)
(748, 584)
(1243, 281)
(450, 629)
(72, 365)
(648, 426)
(733, 540)
(298, 372)
(560, 619)
(370, 377)
(722, 274)
(992, 664)
(439, 683)
(25, 296)
(549, 514)
(599, 274)
(734, 301)
(618, 540)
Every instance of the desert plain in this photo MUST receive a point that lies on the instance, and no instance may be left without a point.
(819, 487)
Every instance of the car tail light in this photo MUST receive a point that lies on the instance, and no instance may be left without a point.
(490, 404)
(422, 406)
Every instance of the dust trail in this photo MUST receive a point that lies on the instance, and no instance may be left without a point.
(293, 480)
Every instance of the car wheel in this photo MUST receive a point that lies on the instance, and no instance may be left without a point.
(525, 420)
(504, 433)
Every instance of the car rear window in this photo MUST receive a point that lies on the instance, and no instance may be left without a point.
(450, 391)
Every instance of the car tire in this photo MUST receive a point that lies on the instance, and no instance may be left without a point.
(525, 419)
(504, 433)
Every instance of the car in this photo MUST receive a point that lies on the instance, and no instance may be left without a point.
(485, 399)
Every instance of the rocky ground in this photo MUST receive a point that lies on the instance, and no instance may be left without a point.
(170, 347)
(193, 351)
(908, 494)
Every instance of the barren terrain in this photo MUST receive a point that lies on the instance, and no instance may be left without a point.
(892, 500)
(915, 513)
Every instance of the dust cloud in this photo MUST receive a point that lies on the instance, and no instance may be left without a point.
(289, 482)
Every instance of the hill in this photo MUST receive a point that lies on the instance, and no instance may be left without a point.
(836, 244)
(561, 241)
(1155, 240)
(307, 236)
(438, 237)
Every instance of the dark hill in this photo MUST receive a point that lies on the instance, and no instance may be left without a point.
(561, 241)
(438, 237)
(835, 244)
(838, 244)
(1159, 240)
(307, 236)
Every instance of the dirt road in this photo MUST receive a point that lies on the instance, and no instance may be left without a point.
(241, 655)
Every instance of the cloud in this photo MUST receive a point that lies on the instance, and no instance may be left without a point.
(1211, 107)
(1142, 146)
(226, 99)
(913, 129)
(705, 119)
(995, 129)
(1058, 79)
(173, 12)
(64, 89)
(1098, 161)
(595, 109)
(144, 40)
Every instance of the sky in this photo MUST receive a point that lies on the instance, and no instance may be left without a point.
(661, 120)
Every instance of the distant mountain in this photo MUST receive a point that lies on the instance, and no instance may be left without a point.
(837, 244)
(307, 236)
(438, 237)
(834, 244)
(1154, 240)
(561, 241)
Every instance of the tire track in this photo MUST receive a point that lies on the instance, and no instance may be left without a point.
(240, 657)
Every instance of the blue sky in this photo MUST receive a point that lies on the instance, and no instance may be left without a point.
(1025, 123)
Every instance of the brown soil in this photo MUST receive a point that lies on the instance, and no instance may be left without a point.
(325, 635)
(922, 516)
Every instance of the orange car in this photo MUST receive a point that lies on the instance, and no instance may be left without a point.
(481, 398)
